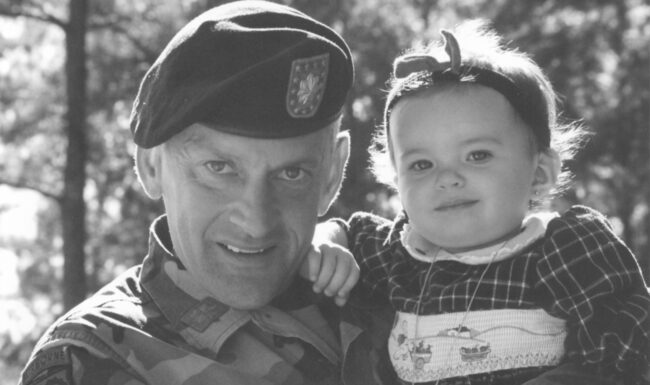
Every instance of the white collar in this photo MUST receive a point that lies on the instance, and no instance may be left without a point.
(533, 228)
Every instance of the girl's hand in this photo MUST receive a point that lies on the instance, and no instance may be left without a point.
(333, 270)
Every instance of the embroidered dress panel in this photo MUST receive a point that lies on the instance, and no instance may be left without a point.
(488, 341)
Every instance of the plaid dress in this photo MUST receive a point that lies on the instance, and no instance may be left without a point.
(579, 271)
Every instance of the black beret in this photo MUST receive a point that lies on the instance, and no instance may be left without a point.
(250, 68)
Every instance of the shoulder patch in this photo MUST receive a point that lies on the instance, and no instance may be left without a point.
(49, 367)
(56, 377)
(307, 84)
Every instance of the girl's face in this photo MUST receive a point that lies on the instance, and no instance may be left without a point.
(465, 166)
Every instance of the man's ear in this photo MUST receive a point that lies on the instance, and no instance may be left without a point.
(336, 172)
(147, 167)
(546, 172)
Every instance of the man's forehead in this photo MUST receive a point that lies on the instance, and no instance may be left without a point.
(199, 138)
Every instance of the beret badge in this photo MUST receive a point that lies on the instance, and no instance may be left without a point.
(307, 83)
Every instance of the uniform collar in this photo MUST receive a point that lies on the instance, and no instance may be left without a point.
(161, 278)
(203, 320)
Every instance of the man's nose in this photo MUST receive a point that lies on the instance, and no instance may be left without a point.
(254, 212)
(449, 178)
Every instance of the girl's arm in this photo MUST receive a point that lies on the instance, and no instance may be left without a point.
(590, 278)
(329, 264)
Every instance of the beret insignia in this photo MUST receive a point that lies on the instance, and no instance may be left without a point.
(306, 85)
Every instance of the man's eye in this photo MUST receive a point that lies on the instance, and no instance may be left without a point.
(479, 156)
(218, 166)
(292, 174)
(420, 165)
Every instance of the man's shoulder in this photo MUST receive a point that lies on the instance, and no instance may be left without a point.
(118, 305)
(69, 364)
(121, 300)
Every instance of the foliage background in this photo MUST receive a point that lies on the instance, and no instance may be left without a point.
(595, 52)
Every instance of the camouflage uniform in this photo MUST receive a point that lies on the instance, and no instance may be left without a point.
(257, 70)
(146, 328)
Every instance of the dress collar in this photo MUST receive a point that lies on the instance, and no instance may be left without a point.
(533, 228)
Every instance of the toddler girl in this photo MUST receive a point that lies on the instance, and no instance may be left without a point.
(485, 289)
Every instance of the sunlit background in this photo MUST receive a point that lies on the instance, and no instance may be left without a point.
(596, 54)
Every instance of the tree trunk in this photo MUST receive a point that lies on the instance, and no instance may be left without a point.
(73, 207)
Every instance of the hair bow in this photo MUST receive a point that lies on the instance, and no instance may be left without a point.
(411, 63)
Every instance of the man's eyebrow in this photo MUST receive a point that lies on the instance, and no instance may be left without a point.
(194, 141)
(306, 161)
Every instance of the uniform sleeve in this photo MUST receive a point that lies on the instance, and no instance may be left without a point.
(71, 365)
(594, 282)
(368, 240)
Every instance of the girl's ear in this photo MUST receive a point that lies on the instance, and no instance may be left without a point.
(546, 172)
(147, 167)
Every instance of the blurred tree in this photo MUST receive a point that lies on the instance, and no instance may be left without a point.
(70, 198)
(73, 205)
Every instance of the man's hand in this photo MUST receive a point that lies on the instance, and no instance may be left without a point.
(333, 270)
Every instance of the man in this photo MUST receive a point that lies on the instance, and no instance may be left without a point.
(237, 130)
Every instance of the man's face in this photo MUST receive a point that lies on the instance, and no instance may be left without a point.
(242, 211)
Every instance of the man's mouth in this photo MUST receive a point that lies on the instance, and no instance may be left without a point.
(456, 204)
(241, 250)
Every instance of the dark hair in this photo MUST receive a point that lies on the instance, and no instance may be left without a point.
(482, 52)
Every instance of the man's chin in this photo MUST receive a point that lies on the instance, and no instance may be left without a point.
(248, 288)
(249, 303)
(248, 297)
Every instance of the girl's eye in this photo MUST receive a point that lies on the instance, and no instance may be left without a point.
(218, 167)
(479, 156)
(292, 174)
(420, 165)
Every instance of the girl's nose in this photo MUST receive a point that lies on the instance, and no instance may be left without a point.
(449, 178)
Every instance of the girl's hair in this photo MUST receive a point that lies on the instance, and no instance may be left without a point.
(481, 51)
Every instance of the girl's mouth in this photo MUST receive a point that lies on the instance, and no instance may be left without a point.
(456, 204)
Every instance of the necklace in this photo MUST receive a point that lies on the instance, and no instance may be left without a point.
(469, 305)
